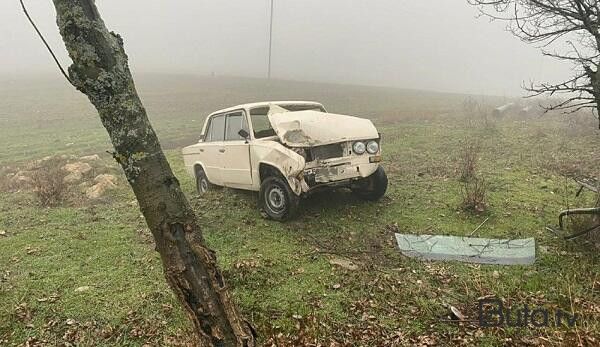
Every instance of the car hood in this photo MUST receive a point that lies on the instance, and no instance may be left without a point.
(314, 128)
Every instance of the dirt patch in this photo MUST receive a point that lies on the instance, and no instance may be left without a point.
(60, 180)
(76, 171)
(102, 183)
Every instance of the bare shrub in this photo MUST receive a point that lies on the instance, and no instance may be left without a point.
(7, 179)
(488, 124)
(474, 194)
(473, 186)
(478, 115)
(468, 161)
(48, 183)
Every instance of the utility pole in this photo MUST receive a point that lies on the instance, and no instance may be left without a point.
(270, 40)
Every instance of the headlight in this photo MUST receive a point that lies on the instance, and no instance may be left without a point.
(359, 147)
(372, 147)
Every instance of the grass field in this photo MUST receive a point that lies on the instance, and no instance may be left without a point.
(281, 273)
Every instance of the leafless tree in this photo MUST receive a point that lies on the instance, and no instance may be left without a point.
(100, 70)
(544, 22)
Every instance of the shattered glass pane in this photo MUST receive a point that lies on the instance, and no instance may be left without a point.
(468, 249)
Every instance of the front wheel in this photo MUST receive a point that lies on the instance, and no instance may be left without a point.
(372, 188)
(203, 185)
(277, 199)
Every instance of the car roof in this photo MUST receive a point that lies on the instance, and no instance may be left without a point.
(265, 103)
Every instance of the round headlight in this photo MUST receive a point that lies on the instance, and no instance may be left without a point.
(359, 147)
(372, 147)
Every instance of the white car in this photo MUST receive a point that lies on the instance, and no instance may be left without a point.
(287, 150)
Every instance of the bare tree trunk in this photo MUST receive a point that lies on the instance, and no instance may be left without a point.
(100, 71)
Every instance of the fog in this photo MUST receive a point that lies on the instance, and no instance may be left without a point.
(429, 44)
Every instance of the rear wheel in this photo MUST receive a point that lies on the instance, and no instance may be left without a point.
(277, 199)
(203, 185)
(372, 188)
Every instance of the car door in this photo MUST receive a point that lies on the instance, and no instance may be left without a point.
(212, 150)
(236, 171)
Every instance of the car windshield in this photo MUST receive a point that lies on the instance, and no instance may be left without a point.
(260, 120)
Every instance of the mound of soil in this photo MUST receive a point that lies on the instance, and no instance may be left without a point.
(56, 179)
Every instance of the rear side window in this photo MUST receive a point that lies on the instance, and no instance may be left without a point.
(235, 122)
(216, 129)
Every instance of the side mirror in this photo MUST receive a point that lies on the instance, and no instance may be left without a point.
(244, 134)
(201, 138)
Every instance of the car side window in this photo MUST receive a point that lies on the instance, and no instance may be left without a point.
(216, 129)
(235, 122)
(207, 132)
(260, 122)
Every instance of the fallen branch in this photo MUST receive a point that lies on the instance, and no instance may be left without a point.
(480, 225)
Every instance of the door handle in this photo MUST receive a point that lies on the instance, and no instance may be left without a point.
(201, 150)
(222, 150)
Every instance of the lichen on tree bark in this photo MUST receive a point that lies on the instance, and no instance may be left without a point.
(100, 70)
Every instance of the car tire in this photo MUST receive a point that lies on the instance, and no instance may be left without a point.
(203, 185)
(277, 199)
(373, 188)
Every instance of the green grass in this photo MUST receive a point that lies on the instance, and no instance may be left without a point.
(280, 273)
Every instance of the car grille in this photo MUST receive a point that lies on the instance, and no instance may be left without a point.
(334, 150)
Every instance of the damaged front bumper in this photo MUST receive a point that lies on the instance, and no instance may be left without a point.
(335, 172)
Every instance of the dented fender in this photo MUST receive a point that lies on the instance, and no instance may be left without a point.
(289, 163)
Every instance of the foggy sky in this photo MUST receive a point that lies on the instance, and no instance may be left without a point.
(422, 44)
